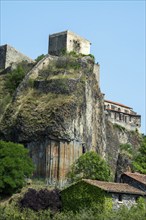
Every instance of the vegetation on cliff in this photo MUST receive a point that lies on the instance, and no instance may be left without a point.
(47, 106)
(90, 166)
(139, 161)
(9, 81)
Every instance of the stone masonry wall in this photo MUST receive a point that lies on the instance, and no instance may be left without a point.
(2, 56)
(9, 55)
(127, 200)
(77, 44)
(68, 41)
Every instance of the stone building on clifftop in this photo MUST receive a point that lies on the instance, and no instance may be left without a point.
(122, 115)
(68, 41)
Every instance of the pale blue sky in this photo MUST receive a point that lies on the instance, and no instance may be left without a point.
(116, 30)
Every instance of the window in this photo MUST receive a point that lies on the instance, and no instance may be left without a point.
(112, 107)
(120, 117)
(115, 115)
(120, 198)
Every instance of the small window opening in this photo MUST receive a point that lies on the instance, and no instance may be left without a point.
(83, 149)
(120, 198)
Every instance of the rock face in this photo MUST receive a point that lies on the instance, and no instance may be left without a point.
(57, 112)
(115, 137)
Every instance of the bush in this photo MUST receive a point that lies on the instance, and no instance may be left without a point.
(90, 166)
(41, 200)
(39, 58)
(15, 165)
(127, 147)
(14, 78)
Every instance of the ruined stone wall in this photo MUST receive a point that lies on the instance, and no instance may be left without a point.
(96, 71)
(9, 55)
(2, 56)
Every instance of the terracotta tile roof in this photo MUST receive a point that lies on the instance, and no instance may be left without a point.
(137, 176)
(115, 187)
(116, 103)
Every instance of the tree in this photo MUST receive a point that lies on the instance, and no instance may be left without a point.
(139, 162)
(90, 166)
(14, 78)
(15, 166)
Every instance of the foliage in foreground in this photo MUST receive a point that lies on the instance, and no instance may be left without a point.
(15, 166)
(90, 166)
(13, 212)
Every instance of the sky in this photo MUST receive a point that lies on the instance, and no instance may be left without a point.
(116, 30)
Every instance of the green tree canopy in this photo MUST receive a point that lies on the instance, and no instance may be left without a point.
(15, 166)
(140, 159)
(90, 166)
(14, 78)
(39, 57)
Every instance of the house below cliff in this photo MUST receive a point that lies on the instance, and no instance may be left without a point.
(99, 194)
(136, 180)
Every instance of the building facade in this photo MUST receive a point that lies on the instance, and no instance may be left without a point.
(122, 115)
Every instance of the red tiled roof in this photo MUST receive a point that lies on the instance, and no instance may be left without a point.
(116, 103)
(137, 176)
(115, 187)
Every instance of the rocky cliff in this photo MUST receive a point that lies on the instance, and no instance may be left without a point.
(118, 142)
(58, 113)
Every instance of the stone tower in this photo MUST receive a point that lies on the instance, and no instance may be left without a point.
(67, 41)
